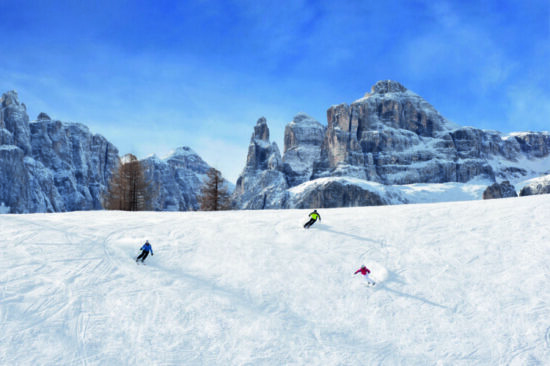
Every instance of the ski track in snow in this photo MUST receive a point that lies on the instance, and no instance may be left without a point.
(457, 284)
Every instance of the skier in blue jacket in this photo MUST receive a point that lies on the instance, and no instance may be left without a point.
(145, 249)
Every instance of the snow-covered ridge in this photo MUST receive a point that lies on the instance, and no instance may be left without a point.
(180, 152)
(461, 283)
(523, 134)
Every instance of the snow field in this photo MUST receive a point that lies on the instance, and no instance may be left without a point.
(457, 284)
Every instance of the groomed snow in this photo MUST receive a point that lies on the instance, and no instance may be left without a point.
(464, 283)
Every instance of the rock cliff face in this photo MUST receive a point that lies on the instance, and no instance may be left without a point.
(390, 136)
(177, 180)
(50, 166)
(393, 136)
(303, 139)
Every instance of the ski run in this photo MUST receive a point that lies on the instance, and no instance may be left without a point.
(461, 283)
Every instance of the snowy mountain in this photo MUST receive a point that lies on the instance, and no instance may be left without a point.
(394, 137)
(53, 166)
(177, 179)
(464, 283)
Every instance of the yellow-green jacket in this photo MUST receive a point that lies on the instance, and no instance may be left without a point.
(315, 216)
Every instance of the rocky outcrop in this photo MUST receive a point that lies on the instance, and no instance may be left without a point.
(50, 166)
(536, 186)
(262, 184)
(177, 180)
(499, 190)
(335, 193)
(81, 162)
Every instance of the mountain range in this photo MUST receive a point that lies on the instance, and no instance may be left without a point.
(381, 149)
(391, 146)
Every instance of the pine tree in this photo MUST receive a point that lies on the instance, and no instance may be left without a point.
(214, 193)
(128, 188)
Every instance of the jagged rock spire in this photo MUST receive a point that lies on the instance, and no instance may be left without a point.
(261, 131)
(261, 184)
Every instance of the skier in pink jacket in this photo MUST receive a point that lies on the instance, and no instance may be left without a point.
(365, 272)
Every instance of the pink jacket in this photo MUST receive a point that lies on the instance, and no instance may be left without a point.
(363, 270)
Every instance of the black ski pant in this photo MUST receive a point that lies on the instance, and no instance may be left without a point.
(309, 223)
(142, 256)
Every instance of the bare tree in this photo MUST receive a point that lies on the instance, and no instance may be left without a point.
(214, 193)
(128, 189)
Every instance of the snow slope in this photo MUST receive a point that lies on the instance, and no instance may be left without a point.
(463, 283)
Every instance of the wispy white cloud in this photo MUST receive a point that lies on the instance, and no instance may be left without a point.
(457, 50)
(528, 107)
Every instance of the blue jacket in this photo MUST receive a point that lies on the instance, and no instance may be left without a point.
(147, 247)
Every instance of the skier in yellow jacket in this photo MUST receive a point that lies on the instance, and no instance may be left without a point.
(313, 217)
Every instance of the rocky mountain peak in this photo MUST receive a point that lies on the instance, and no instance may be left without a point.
(14, 122)
(302, 117)
(261, 131)
(178, 178)
(387, 86)
(261, 153)
(9, 98)
(43, 117)
(181, 151)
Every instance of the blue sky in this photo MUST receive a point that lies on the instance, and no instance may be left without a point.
(151, 76)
